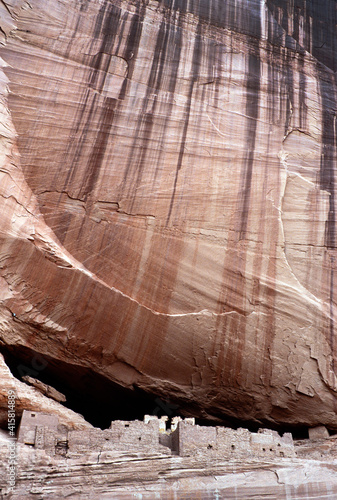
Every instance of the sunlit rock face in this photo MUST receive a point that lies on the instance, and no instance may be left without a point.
(168, 199)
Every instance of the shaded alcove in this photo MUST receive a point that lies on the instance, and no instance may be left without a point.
(101, 401)
(95, 397)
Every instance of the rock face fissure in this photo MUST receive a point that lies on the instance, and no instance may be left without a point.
(167, 200)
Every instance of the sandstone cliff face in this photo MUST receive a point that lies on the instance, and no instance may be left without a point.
(168, 199)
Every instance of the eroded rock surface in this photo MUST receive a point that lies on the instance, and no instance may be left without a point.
(112, 475)
(168, 199)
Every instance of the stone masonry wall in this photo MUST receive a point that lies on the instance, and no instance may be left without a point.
(151, 436)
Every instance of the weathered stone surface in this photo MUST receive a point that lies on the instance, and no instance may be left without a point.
(168, 199)
(100, 472)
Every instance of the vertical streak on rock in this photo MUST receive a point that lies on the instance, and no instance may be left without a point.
(233, 294)
(266, 227)
(252, 112)
(289, 88)
(327, 183)
(108, 27)
(302, 92)
(195, 69)
(312, 24)
(134, 166)
(167, 47)
(84, 118)
(99, 148)
(332, 320)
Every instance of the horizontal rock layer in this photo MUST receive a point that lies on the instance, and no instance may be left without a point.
(109, 474)
(168, 199)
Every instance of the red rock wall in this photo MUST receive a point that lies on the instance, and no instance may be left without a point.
(168, 202)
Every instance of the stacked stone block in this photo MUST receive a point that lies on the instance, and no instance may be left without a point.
(184, 438)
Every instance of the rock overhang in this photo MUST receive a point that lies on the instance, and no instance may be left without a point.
(172, 237)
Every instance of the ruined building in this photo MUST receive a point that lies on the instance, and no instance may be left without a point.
(182, 438)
